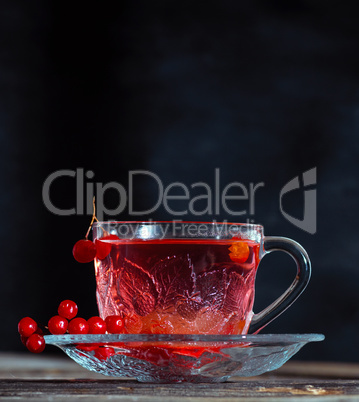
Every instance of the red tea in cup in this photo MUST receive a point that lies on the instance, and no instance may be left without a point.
(187, 278)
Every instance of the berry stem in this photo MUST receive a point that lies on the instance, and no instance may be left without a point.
(93, 218)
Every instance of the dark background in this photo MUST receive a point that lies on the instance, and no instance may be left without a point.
(261, 90)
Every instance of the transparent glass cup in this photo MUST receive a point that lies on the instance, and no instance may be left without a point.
(188, 277)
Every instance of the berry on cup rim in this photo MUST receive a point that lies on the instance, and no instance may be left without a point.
(84, 251)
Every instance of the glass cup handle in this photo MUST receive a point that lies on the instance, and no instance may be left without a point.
(300, 256)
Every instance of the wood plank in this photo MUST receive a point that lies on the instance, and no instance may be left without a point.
(43, 377)
(248, 389)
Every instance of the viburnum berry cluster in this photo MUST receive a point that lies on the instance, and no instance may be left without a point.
(86, 250)
(31, 335)
(66, 322)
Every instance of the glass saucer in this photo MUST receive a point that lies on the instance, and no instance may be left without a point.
(181, 358)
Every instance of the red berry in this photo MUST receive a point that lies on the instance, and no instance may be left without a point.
(35, 343)
(239, 252)
(115, 324)
(27, 326)
(96, 325)
(102, 353)
(84, 251)
(68, 309)
(57, 325)
(104, 245)
(78, 326)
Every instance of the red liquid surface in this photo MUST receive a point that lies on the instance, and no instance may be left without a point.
(178, 287)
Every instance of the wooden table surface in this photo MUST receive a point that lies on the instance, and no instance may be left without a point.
(46, 377)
